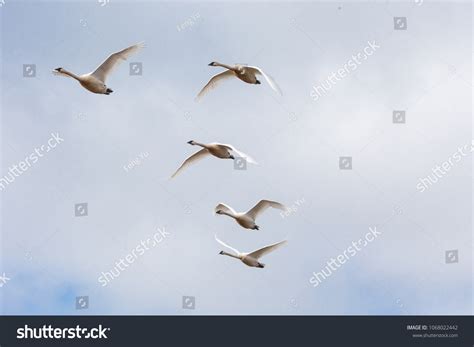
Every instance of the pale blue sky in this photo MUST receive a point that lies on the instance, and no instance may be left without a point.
(52, 256)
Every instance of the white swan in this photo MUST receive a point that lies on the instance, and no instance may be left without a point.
(95, 81)
(218, 150)
(247, 219)
(245, 73)
(250, 259)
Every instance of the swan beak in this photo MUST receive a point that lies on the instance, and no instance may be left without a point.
(190, 142)
(58, 69)
(221, 252)
(211, 64)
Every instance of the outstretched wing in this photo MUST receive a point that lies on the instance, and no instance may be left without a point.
(262, 251)
(191, 160)
(226, 245)
(214, 82)
(224, 207)
(262, 206)
(247, 157)
(114, 60)
(269, 79)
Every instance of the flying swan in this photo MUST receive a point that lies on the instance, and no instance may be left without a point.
(218, 150)
(250, 259)
(245, 73)
(247, 219)
(95, 81)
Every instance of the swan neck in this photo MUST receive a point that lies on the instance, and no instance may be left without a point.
(70, 74)
(226, 66)
(194, 143)
(230, 255)
(230, 214)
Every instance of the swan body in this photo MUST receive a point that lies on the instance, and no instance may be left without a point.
(95, 81)
(252, 258)
(219, 150)
(247, 219)
(247, 74)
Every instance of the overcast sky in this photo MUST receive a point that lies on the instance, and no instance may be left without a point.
(51, 256)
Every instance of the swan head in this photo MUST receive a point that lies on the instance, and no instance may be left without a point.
(192, 142)
(213, 63)
(219, 212)
(221, 252)
(59, 69)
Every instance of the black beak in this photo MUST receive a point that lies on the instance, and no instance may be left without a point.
(58, 69)
(190, 142)
(210, 64)
(221, 252)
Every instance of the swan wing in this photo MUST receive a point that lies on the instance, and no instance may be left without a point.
(247, 157)
(223, 207)
(262, 206)
(114, 60)
(214, 82)
(226, 245)
(191, 160)
(262, 251)
(268, 78)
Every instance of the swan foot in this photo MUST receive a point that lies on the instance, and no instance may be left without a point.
(108, 91)
(260, 265)
(258, 82)
(256, 227)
